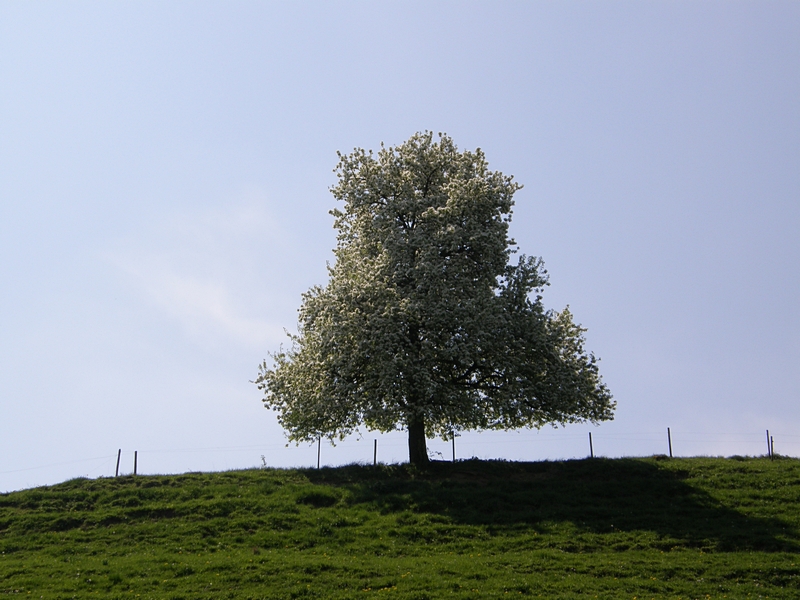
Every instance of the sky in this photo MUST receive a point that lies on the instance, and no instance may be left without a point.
(164, 194)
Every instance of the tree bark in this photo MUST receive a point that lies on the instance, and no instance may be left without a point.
(417, 445)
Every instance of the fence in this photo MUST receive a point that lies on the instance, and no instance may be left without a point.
(392, 448)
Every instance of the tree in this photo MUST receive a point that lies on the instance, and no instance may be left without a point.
(424, 323)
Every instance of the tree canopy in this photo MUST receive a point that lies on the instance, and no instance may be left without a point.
(425, 324)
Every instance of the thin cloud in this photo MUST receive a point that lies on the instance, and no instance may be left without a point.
(202, 307)
(204, 271)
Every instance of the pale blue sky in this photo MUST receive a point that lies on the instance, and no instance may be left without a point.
(163, 203)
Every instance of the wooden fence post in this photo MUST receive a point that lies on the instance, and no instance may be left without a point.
(135, 460)
(769, 446)
(669, 440)
(119, 454)
(591, 447)
(375, 454)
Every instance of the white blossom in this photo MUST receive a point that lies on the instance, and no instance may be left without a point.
(425, 324)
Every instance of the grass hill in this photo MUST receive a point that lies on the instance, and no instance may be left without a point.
(623, 528)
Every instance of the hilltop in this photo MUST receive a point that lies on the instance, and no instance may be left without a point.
(646, 527)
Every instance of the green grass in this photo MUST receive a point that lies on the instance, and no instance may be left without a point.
(624, 528)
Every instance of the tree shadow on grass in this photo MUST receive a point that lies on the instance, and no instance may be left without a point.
(595, 495)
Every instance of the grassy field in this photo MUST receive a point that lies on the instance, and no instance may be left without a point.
(595, 528)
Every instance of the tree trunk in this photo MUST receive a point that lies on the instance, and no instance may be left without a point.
(417, 446)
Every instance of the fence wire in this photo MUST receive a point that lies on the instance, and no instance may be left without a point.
(392, 448)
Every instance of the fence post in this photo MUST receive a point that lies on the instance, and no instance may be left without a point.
(454, 446)
(135, 460)
(375, 454)
(669, 440)
(319, 449)
(769, 446)
(591, 448)
(119, 454)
